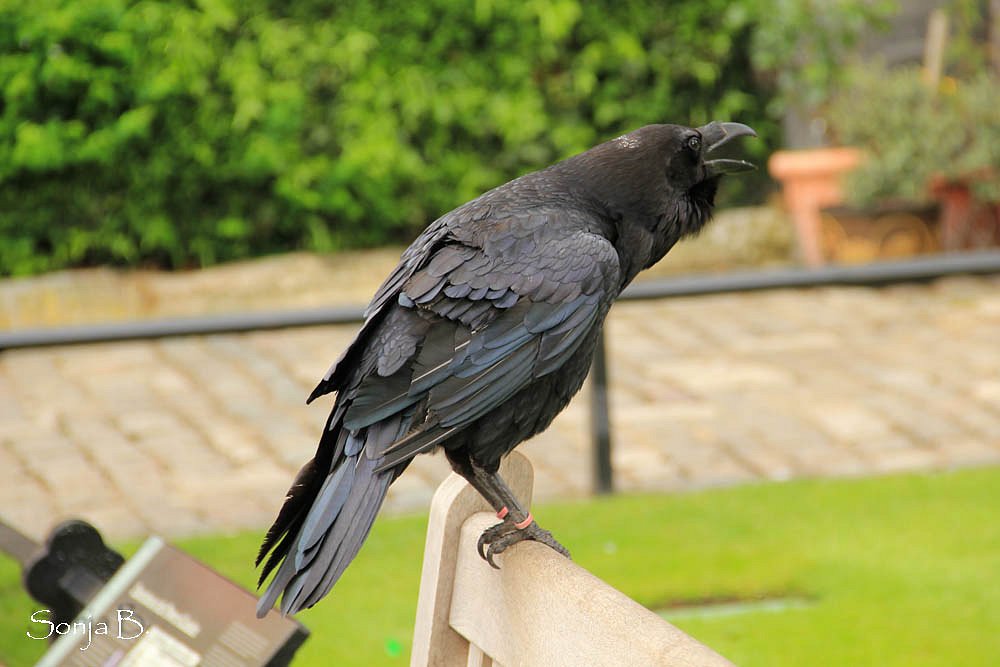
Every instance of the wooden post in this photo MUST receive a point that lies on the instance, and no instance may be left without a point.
(934, 45)
(994, 32)
(435, 642)
(539, 608)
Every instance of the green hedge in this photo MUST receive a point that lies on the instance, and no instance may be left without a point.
(175, 133)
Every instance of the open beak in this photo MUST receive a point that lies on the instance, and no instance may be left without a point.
(716, 134)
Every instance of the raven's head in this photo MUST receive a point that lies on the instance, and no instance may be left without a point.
(690, 177)
(699, 142)
(663, 166)
(658, 183)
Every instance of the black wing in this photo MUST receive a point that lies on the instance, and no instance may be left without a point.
(492, 318)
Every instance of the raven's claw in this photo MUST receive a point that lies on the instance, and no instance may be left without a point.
(505, 534)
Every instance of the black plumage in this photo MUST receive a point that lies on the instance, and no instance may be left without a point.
(482, 334)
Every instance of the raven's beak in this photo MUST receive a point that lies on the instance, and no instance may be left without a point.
(716, 134)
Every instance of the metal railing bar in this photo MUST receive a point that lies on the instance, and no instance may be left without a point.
(878, 273)
(183, 326)
(16, 544)
(869, 275)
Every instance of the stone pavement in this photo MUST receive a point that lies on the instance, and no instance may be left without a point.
(190, 435)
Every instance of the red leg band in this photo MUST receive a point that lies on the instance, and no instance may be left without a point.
(502, 513)
(524, 524)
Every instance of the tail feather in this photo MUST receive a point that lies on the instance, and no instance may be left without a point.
(327, 515)
(329, 503)
(291, 515)
(282, 548)
(349, 542)
(330, 538)
(301, 497)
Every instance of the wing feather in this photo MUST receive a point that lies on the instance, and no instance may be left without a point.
(462, 371)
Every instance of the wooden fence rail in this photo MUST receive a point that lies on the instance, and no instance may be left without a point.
(539, 608)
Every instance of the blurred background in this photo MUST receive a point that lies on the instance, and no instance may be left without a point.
(820, 461)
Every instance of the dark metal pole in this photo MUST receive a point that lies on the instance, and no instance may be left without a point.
(16, 544)
(600, 421)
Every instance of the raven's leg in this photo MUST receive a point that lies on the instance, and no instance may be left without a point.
(517, 523)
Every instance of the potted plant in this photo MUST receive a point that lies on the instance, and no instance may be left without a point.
(924, 145)
(800, 51)
(811, 181)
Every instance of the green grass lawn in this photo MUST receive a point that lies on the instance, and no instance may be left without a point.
(901, 570)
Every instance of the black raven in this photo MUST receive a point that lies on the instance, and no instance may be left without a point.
(482, 334)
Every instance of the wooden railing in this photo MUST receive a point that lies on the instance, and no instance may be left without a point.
(539, 608)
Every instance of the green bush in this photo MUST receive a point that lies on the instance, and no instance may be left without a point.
(913, 133)
(175, 133)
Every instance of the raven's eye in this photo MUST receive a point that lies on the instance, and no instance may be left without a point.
(694, 144)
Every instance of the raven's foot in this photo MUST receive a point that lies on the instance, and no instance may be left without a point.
(498, 538)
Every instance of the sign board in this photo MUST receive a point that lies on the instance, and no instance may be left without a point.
(163, 608)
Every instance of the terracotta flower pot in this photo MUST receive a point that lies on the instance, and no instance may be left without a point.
(810, 181)
(889, 230)
(966, 222)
